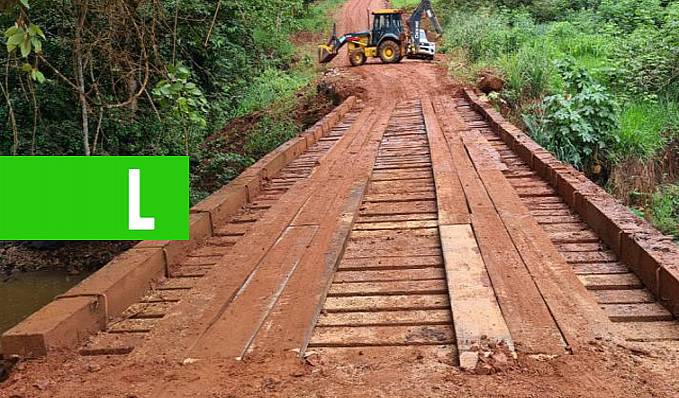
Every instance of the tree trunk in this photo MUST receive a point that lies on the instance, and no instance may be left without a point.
(78, 53)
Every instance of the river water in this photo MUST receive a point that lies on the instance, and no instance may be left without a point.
(24, 293)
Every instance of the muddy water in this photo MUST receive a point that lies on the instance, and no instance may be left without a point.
(24, 293)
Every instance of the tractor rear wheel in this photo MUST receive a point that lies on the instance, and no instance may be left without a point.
(357, 57)
(389, 52)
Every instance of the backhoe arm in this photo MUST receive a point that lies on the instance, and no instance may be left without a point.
(415, 20)
(425, 8)
(328, 52)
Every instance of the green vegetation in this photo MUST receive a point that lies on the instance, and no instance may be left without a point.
(90, 77)
(594, 81)
(664, 209)
(404, 3)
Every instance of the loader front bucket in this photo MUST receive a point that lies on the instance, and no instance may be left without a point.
(325, 54)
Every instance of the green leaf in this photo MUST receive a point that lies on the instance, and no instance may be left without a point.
(35, 30)
(15, 40)
(25, 3)
(11, 31)
(25, 48)
(26, 68)
(37, 44)
(37, 76)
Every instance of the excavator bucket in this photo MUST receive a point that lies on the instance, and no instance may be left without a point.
(326, 54)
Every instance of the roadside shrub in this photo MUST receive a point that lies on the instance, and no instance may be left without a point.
(664, 210)
(578, 126)
(646, 64)
(549, 10)
(630, 14)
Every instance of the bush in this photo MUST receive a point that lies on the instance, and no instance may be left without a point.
(630, 14)
(268, 135)
(579, 126)
(272, 85)
(646, 64)
(664, 210)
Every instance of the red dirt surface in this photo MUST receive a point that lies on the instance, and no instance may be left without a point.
(602, 368)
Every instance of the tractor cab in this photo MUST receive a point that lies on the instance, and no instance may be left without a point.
(387, 24)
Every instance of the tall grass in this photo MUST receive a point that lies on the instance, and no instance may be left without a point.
(644, 128)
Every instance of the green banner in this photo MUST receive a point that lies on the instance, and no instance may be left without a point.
(94, 198)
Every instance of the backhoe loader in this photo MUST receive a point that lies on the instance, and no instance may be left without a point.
(387, 39)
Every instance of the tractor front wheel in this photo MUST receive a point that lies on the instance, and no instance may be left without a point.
(389, 52)
(357, 57)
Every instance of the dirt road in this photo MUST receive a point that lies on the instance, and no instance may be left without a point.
(381, 83)
(407, 252)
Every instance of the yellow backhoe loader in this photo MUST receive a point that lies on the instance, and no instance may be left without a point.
(387, 39)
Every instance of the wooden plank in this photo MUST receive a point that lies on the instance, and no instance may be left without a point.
(410, 207)
(178, 283)
(611, 281)
(132, 326)
(450, 197)
(582, 247)
(590, 257)
(390, 275)
(574, 237)
(631, 296)
(367, 219)
(392, 175)
(388, 288)
(242, 318)
(476, 313)
(651, 331)
(148, 310)
(371, 318)
(382, 336)
(600, 268)
(402, 197)
(536, 191)
(353, 251)
(648, 312)
(549, 212)
(387, 303)
(558, 219)
(159, 296)
(566, 227)
(427, 237)
(387, 187)
(191, 271)
(376, 226)
(390, 263)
